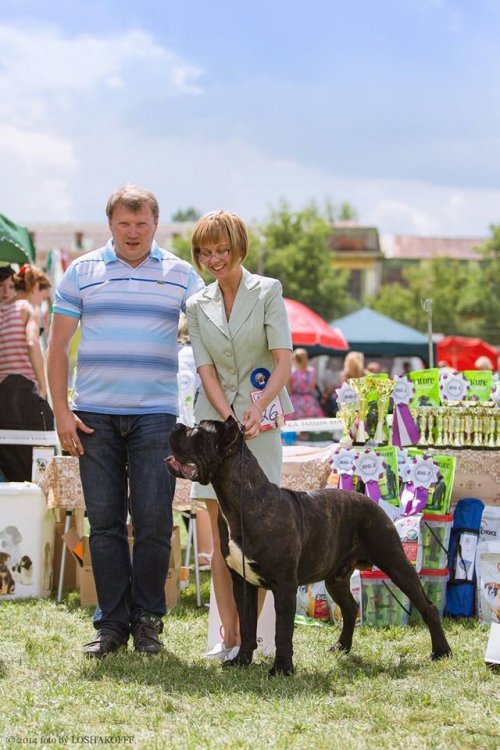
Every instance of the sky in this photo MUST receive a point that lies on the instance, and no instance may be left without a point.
(391, 105)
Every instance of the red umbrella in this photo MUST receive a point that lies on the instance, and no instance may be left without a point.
(311, 331)
(461, 352)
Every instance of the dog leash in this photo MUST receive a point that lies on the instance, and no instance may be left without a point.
(242, 525)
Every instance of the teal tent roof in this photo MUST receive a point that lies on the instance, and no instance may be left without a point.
(377, 335)
(16, 245)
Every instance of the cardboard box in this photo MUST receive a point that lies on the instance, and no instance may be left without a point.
(86, 584)
(80, 550)
(175, 549)
(172, 588)
(69, 580)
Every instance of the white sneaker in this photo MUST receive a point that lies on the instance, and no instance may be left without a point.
(222, 652)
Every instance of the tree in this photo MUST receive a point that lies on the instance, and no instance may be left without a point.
(457, 289)
(188, 214)
(488, 288)
(293, 247)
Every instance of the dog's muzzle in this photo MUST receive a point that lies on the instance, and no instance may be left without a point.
(181, 470)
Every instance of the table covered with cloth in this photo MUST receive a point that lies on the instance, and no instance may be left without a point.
(304, 468)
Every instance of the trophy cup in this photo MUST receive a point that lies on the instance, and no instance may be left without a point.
(347, 415)
(422, 424)
(489, 426)
(384, 388)
(430, 425)
(477, 427)
(439, 425)
(362, 387)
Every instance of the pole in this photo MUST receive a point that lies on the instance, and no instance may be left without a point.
(427, 305)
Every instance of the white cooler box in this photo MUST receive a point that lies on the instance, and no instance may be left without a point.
(26, 541)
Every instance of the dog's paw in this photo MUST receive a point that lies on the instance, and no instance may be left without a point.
(240, 660)
(278, 669)
(339, 648)
(441, 653)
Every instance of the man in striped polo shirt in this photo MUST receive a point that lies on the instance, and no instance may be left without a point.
(126, 297)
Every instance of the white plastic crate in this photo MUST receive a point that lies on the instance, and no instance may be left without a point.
(26, 541)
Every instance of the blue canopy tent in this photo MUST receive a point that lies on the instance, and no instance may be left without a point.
(377, 335)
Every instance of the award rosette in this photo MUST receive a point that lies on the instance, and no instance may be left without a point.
(453, 386)
(370, 468)
(346, 395)
(342, 462)
(404, 427)
(424, 473)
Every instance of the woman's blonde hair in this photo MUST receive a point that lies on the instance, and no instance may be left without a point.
(353, 364)
(28, 276)
(300, 357)
(220, 226)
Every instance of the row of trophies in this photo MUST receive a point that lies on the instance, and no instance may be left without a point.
(459, 424)
(364, 404)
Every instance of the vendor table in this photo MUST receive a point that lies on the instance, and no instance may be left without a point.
(304, 468)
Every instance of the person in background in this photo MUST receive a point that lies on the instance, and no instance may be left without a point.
(189, 384)
(23, 386)
(373, 368)
(302, 388)
(7, 288)
(242, 345)
(354, 363)
(484, 363)
(20, 350)
(126, 297)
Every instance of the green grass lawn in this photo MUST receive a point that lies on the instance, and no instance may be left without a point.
(385, 694)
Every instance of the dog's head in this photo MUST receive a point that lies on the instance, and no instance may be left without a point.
(492, 589)
(4, 556)
(199, 451)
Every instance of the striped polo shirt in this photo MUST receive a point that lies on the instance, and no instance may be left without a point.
(127, 357)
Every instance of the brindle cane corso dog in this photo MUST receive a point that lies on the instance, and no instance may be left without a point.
(291, 539)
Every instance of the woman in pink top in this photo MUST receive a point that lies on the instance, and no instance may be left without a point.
(20, 351)
(302, 388)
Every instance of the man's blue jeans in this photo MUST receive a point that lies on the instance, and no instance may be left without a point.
(122, 470)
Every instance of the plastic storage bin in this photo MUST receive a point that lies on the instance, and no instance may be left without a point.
(382, 603)
(434, 584)
(26, 541)
(435, 531)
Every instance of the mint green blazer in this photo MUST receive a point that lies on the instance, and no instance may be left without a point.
(258, 323)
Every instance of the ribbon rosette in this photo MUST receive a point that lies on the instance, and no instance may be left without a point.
(370, 468)
(346, 395)
(404, 428)
(343, 464)
(424, 473)
(453, 386)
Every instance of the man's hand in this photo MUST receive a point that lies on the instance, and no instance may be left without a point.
(68, 425)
